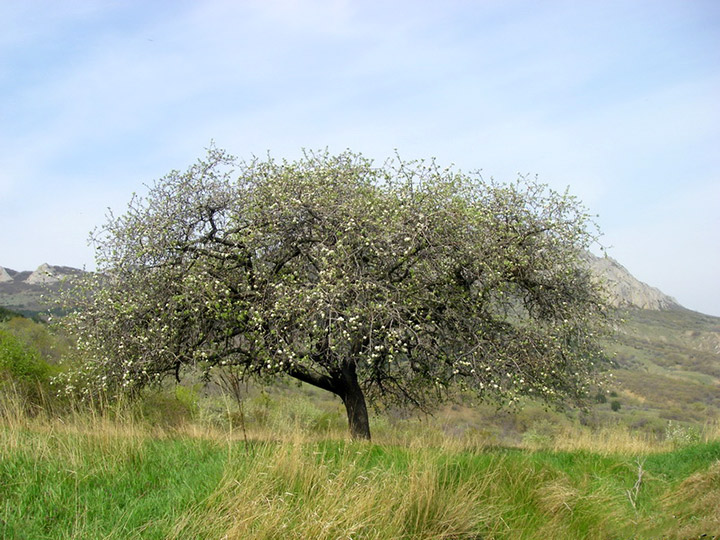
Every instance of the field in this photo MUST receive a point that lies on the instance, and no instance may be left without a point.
(119, 475)
(190, 461)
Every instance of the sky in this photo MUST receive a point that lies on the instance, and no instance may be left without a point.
(619, 101)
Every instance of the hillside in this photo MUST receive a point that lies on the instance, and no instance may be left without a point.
(27, 292)
(668, 365)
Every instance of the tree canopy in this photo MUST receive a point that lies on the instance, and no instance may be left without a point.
(393, 283)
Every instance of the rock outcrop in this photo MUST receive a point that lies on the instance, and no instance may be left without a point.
(624, 289)
(44, 274)
(31, 292)
(4, 276)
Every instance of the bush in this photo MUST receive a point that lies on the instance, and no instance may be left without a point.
(23, 368)
(7, 314)
(680, 435)
(543, 433)
(615, 405)
(168, 409)
(53, 347)
(19, 361)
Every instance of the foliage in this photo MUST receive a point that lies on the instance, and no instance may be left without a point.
(397, 283)
(23, 369)
(6, 314)
(680, 435)
(53, 347)
(19, 361)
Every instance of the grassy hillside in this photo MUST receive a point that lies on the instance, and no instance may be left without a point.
(668, 367)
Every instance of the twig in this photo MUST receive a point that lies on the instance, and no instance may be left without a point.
(635, 491)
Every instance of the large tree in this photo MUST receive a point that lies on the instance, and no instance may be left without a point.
(396, 283)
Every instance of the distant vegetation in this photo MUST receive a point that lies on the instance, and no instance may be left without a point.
(24, 371)
(6, 314)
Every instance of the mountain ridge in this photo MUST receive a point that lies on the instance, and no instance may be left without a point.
(625, 290)
(24, 291)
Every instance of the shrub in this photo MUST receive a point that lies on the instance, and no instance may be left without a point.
(543, 433)
(167, 409)
(680, 435)
(22, 367)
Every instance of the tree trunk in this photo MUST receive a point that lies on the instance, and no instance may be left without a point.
(355, 406)
(344, 384)
(357, 413)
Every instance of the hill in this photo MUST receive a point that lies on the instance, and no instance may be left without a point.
(28, 292)
(667, 357)
(668, 365)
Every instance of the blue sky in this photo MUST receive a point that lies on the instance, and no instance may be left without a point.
(616, 99)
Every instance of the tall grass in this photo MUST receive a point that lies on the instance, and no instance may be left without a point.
(349, 490)
(113, 474)
(339, 491)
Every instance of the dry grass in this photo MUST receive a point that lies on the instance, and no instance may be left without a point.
(695, 505)
(606, 441)
(295, 494)
(283, 481)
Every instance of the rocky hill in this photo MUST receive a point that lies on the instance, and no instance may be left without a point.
(24, 291)
(4, 275)
(624, 289)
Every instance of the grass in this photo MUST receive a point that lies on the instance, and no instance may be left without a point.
(87, 476)
(186, 463)
(100, 483)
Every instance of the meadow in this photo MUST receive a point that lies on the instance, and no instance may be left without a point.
(272, 462)
(119, 473)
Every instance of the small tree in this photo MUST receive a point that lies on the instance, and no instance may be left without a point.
(389, 284)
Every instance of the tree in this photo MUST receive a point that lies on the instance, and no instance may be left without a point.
(398, 283)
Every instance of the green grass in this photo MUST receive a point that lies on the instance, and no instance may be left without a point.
(184, 463)
(64, 484)
(90, 477)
